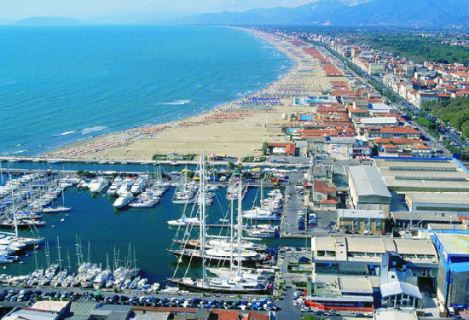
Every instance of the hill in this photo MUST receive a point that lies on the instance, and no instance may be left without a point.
(48, 21)
(415, 13)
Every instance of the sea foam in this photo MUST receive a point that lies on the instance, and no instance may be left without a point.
(177, 102)
(93, 129)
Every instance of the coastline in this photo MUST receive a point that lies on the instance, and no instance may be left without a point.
(227, 129)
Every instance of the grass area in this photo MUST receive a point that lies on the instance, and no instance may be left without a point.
(454, 112)
(185, 157)
(417, 48)
(253, 159)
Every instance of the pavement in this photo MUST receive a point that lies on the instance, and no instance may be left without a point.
(288, 310)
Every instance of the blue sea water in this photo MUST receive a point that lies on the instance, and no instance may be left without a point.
(63, 84)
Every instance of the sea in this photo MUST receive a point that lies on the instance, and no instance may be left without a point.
(64, 84)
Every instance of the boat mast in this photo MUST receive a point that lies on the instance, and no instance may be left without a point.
(47, 255)
(15, 221)
(68, 261)
(240, 221)
(262, 190)
(231, 233)
(59, 254)
(202, 213)
(35, 257)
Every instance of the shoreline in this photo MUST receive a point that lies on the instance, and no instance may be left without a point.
(207, 130)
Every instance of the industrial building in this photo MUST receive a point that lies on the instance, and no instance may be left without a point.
(361, 221)
(420, 175)
(367, 189)
(453, 271)
(438, 201)
(362, 256)
(406, 219)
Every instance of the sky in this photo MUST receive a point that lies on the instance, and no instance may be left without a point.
(11, 10)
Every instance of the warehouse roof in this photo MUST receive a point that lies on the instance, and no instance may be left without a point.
(459, 198)
(368, 181)
(425, 216)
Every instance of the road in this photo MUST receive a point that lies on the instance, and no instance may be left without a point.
(288, 310)
(293, 203)
(403, 104)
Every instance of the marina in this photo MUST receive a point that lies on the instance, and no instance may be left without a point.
(148, 222)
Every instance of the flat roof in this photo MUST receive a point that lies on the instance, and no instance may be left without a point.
(368, 181)
(379, 120)
(54, 306)
(418, 175)
(459, 198)
(374, 245)
(445, 226)
(454, 243)
(27, 314)
(360, 214)
(425, 216)
(354, 285)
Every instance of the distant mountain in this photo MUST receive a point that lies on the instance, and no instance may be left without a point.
(48, 21)
(413, 13)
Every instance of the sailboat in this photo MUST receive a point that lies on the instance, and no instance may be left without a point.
(57, 209)
(235, 282)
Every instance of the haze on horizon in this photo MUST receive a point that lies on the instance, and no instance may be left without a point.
(133, 11)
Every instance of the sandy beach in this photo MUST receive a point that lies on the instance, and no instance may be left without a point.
(237, 128)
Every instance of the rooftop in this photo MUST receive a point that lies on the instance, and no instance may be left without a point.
(355, 285)
(379, 120)
(458, 198)
(425, 216)
(356, 247)
(423, 176)
(360, 214)
(399, 287)
(368, 181)
(53, 306)
(454, 243)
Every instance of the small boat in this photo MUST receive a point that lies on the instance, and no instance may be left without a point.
(112, 191)
(56, 209)
(184, 221)
(146, 199)
(123, 200)
(262, 231)
(97, 185)
(138, 186)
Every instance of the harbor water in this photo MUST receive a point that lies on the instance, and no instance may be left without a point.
(104, 231)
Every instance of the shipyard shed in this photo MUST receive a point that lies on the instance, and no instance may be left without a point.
(457, 202)
(367, 189)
